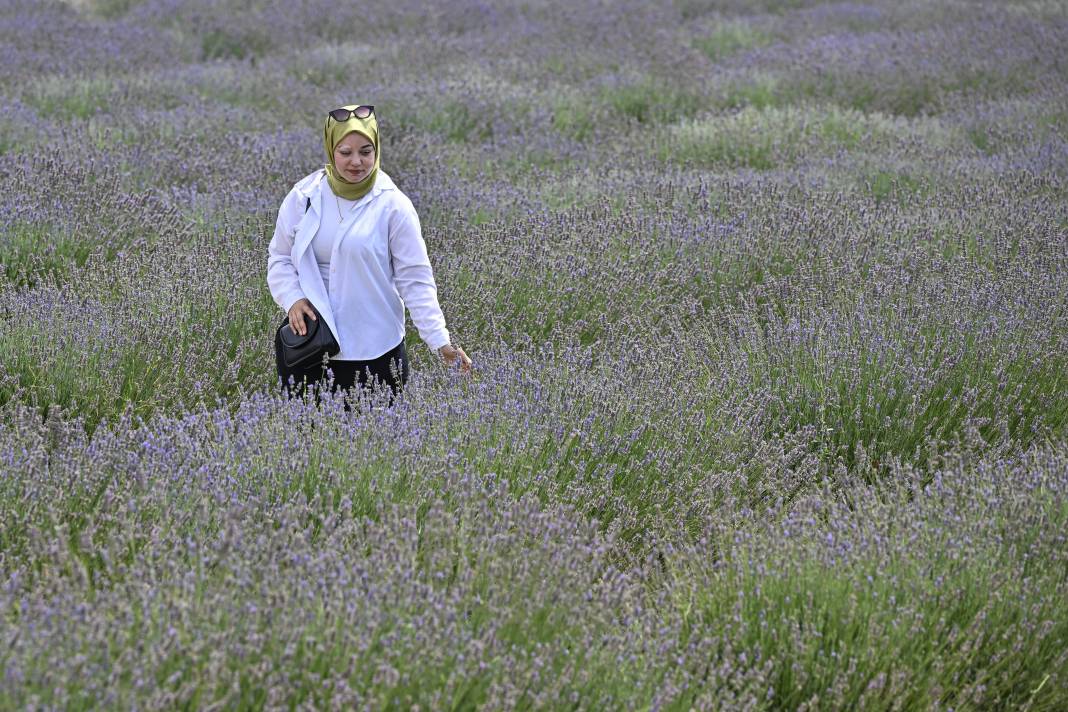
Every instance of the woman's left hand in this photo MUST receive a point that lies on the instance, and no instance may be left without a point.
(451, 354)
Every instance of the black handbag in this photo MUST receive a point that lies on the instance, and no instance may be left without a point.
(296, 351)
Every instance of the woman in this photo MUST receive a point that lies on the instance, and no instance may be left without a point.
(348, 243)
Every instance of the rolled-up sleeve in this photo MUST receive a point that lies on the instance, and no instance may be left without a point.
(414, 277)
(282, 277)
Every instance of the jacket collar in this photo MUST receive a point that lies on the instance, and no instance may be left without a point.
(314, 189)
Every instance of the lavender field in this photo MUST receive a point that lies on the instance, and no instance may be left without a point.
(768, 304)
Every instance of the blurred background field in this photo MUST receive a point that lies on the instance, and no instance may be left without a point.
(768, 303)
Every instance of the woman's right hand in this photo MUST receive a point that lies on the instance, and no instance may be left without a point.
(300, 309)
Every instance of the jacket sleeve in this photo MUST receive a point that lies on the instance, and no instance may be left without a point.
(414, 278)
(282, 276)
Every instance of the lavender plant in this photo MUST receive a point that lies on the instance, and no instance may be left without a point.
(769, 312)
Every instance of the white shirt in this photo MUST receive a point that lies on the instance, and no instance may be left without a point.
(330, 231)
(378, 264)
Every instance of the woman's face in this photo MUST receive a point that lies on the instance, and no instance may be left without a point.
(354, 157)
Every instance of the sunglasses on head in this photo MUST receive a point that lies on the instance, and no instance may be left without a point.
(360, 112)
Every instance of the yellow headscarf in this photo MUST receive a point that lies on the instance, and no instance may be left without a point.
(332, 135)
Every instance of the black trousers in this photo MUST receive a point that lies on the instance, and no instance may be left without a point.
(390, 369)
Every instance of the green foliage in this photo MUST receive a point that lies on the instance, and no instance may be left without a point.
(864, 415)
(115, 362)
(109, 9)
(223, 84)
(729, 38)
(1055, 121)
(66, 98)
(573, 117)
(843, 129)
(911, 95)
(217, 43)
(759, 91)
(813, 618)
(452, 118)
(757, 152)
(330, 66)
(980, 138)
(652, 102)
(766, 138)
(886, 185)
(29, 251)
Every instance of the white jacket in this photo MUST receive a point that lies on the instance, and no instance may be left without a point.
(376, 263)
